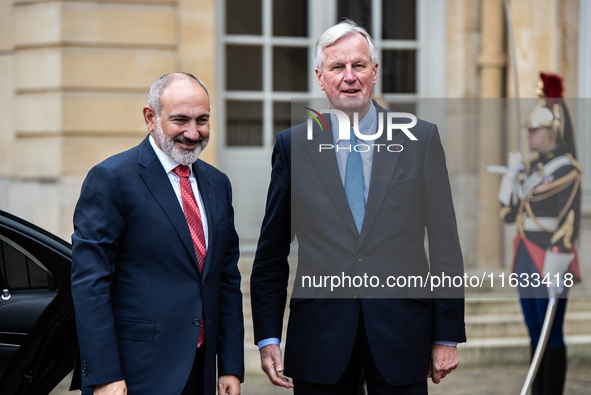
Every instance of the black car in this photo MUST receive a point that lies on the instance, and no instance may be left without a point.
(38, 343)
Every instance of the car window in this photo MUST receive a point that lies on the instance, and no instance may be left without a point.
(21, 270)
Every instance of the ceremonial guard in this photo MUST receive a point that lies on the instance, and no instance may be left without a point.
(543, 194)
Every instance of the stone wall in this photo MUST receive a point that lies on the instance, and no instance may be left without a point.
(74, 77)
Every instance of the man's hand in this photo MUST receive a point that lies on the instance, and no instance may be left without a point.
(115, 388)
(444, 359)
(228, 385)
(272, 365)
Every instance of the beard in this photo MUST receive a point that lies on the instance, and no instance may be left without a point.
(180, 155)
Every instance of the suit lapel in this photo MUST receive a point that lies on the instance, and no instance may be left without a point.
(382, 171)
(328, 171)
(207, 192)
(383, 167)
(158, 183)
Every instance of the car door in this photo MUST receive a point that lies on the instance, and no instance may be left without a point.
(38, 342)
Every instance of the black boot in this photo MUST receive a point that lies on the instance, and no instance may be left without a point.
(554, 366)
(537, 387)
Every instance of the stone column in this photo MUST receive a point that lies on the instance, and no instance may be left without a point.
(197, 55)
(537, 27)
(463, 46)
(492, 62)
(6, 97)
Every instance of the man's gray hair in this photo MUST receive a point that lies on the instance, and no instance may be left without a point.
(344, 28)
(160, 85)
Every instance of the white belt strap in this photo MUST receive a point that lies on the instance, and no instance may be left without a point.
(547, 222)
(534, 179)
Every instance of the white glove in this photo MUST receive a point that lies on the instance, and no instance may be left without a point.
(510, 190)
(556, 263)
(515, 164)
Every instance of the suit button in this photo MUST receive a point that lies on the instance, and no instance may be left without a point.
(359, 258)
(196, 322)
(355, 295)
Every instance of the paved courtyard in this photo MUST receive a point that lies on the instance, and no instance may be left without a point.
(466, 380)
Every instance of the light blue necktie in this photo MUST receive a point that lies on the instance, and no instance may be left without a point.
(354, 183)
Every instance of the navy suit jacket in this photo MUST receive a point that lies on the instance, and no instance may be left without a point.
(409, 194)
(137, 290)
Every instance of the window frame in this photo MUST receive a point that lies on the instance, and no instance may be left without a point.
(430, 60)
(29, 258)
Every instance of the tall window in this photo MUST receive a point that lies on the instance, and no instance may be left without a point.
(393, 26)
(265, 50)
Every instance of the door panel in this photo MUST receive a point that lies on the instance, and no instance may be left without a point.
(21, 312)
(7, 353)
(38, 341)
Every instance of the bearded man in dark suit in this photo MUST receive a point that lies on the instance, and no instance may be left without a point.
(155, 280)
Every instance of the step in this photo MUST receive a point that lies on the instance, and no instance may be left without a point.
(494, 325)
(512, 325)
(510, 305)
(515, 349)
(477, 352)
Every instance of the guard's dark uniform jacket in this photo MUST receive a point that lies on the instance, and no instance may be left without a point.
(548, 215)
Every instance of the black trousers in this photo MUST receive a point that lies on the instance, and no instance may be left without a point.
(361, 361)
(195, 382)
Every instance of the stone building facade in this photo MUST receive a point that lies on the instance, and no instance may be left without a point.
(74, 75)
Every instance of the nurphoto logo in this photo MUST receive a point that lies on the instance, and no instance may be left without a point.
(344, 128)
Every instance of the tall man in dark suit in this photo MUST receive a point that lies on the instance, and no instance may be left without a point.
(155, 280)
(357, 211)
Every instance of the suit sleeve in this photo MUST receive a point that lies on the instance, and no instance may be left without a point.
(230, 348)
(445, 255)
(270, 271)
(99, 222)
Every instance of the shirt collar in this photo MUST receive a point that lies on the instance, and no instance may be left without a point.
(367, 124)
(167, 162)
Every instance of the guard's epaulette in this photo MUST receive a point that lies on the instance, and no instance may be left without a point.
(557, 184)
(575, 163)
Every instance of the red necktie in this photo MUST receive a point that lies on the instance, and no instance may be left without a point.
(193, 216)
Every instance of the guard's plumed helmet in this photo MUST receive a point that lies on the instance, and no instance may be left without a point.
(547, 112)
(550, 111)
